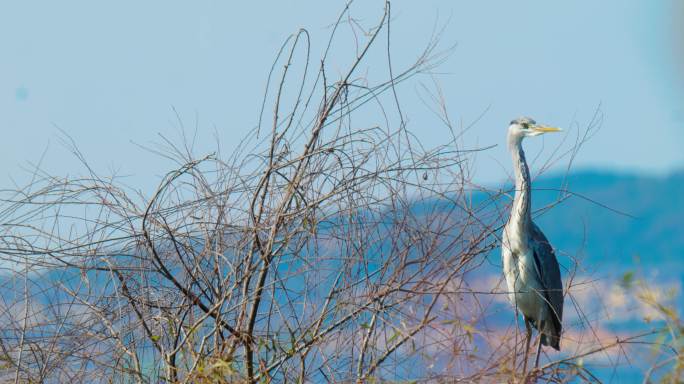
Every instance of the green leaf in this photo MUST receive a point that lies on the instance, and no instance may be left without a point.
(627, 280)
(469, 330)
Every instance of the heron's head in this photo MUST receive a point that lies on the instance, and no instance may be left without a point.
(526, 127)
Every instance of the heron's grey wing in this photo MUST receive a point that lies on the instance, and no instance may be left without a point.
(550, 273)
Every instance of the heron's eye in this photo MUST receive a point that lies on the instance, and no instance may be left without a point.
(525, 125)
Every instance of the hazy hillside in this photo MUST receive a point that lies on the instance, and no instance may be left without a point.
(610, 222)
(653, 236)
(597, 309)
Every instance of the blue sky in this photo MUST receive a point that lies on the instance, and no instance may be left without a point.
(109, 75)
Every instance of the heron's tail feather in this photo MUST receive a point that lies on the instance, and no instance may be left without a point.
(552, 341)
(551, 336)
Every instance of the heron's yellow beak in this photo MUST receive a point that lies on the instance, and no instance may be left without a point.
(545, 129)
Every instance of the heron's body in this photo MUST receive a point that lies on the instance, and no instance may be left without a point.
(541, 304)
(530, 266)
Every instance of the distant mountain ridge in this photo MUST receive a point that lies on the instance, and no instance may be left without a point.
(654, 235)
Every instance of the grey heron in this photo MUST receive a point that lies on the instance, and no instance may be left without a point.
(529, 263)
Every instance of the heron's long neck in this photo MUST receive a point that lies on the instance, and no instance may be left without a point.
(520, 213)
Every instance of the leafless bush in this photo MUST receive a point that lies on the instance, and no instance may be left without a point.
(320, 250)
